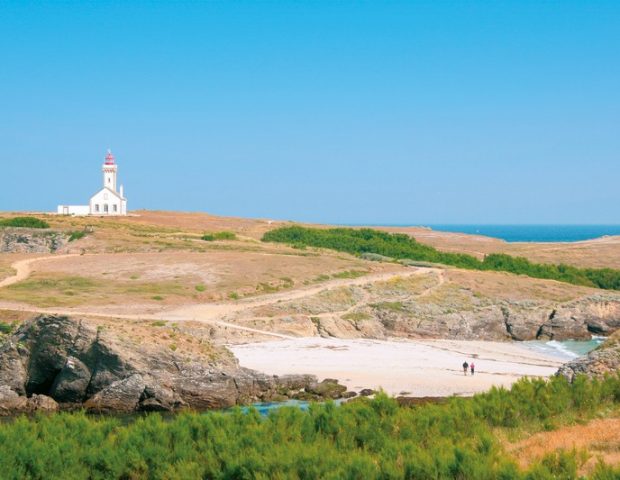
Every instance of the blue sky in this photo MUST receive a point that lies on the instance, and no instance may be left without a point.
(347, 112)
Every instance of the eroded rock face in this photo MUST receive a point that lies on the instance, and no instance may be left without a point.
(477, 319)
(604, 360)
(27, 240)
(55, 360)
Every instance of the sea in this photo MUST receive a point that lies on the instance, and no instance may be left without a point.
(534, 233)
(566, 349)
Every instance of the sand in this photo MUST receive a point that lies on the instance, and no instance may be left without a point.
(413, 368)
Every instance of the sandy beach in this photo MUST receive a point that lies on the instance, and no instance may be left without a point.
(414, 368)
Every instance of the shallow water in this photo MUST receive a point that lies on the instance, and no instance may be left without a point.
(566, 349)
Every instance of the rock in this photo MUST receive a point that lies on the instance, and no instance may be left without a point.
(72, 381)
(349, 394)
(599, 362)
(120, 396)
(13, 371)
(328, 388)
(367, 392)
(11, 402)
(56, 361)
(31, 240)
(42, 403)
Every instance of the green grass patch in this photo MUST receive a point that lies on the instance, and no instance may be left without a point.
(159, 323)
(350, 274)
(210, 237)
(357, 316)
(76, 235)
(159, 298)
(24, 222)
(400, 247)
(392, 306)
(200, 288)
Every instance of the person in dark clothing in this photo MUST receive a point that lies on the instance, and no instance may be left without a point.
(472, 367)
(465, 367)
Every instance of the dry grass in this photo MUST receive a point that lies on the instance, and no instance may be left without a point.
(507, 286)
(165, 231)
(600, 438)
(175, 278)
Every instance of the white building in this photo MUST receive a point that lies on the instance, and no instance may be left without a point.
(107, 201)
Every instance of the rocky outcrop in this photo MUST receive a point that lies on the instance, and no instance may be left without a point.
(30, 240)
(458, 315)
(56, 362)
(604, 360)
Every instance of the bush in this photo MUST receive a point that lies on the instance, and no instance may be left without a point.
(210, 237)
(76, 235)
(364, 439)
(402, 247)
(25, 222)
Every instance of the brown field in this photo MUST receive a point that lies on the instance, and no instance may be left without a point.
(508, 286)
(173, 278)
(154, 260)
(168, 231)
(600, 439)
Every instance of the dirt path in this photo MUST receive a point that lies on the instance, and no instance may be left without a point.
(216, 313)
(23, 268)
(211, 311)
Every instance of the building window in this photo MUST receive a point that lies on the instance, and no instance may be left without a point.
(105, 208)
(96, 207)
(115, 208)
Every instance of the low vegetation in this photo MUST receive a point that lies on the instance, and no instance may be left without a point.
(76, 235)
(24, 222)
(403, 247)
(364, 439)
(210, 237)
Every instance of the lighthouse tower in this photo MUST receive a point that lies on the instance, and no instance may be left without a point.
(107, 201)
(109, 172)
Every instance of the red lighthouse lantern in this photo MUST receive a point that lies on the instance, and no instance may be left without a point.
(109, 158)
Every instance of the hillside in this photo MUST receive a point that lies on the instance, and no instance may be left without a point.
(156, 265)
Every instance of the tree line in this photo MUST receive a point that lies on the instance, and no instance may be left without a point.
(400, 246)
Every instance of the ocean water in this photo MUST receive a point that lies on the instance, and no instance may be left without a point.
(567, 349)
(534, 233)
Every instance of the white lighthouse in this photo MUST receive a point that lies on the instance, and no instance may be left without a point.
(107, 201)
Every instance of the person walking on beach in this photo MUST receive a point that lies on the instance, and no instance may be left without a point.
(465, 366)
(472, 367)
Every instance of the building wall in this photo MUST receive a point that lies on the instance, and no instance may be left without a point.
(109, 177)
(106, 202)
(73, 209)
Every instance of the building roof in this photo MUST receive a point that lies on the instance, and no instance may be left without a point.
(116, 194)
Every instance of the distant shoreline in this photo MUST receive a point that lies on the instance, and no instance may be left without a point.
(524, 233)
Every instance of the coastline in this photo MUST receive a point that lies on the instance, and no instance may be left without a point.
(416, 368)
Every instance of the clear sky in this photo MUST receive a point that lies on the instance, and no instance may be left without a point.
(336, 111)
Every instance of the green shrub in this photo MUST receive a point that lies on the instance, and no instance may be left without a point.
(25, 222)
(403, 247)
(210, 237)
(7, 328)
(76, 235)
(364, 439)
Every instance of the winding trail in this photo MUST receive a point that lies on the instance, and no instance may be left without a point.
(23, 268)
(214, 313)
